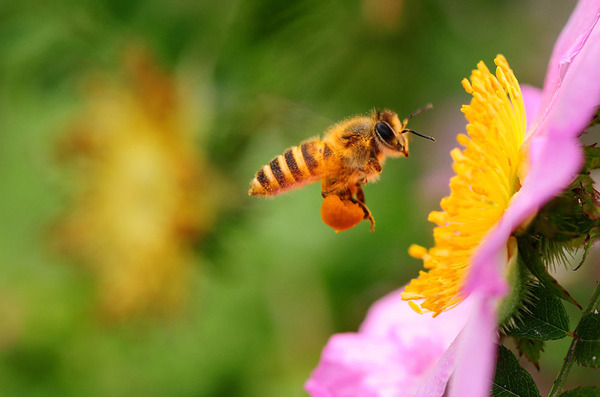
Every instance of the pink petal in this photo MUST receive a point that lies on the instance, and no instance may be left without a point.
(392, 317)
(476, 355)
(570, 41)
(532, 98)
(359, 365)
(572, 88)
(555, 162)
(393, 354)
(435, 384)
(485, 284)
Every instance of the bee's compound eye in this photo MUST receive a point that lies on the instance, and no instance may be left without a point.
(385, 132)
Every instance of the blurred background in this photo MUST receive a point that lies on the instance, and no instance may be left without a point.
(132, 260)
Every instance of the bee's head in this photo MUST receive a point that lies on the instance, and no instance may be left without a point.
(389, 135)
(392, 135)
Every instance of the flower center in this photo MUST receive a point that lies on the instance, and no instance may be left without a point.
(488, 174)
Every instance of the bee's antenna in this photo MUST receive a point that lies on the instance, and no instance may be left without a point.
(419, 134)
(417, 112)
(413, 114)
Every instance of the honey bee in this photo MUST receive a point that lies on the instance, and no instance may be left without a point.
(351, 154)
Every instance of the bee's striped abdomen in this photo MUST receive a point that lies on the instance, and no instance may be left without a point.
(295, 167)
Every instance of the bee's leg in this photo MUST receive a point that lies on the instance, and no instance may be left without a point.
(367, 212)
(360, 200)
(360, 194)
(343, 194)
(336, 186)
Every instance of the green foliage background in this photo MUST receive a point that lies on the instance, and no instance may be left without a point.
(271, 283)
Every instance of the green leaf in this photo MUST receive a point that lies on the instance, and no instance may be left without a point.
(588, 391)
(587, 199)
(531, 349)
(511, 379)
(530, 255)
(587, 349)
(595, 120)
(544, 317)
(592, 158)
(569, 220)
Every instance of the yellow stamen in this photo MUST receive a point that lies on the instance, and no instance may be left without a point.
(416, 251)
(488, 173)
(415, 307)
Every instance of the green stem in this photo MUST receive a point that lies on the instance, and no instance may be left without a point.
(561, 378)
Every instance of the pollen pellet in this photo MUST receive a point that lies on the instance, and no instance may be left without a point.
(341, 214)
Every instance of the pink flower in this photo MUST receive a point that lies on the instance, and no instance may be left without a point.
(394, 353)
(560, 112)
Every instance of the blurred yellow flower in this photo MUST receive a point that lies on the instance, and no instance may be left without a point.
(141, 199)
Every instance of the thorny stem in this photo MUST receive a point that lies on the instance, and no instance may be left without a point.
(561, 378)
